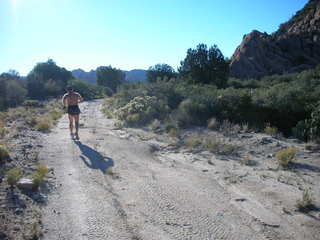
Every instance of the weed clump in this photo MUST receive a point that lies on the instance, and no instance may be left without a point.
(306, 203)
(286, 156)
(39, 175)
(272, 131)
(194, 142)
(13, 176)
(4, 154)
(220, 147)
(43, 126)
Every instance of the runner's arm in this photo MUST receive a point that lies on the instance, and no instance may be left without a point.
(80, 98)
(64, 99)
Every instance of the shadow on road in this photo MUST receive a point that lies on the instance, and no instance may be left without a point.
(94, 159)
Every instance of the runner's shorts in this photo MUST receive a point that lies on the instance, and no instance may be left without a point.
(73, 110)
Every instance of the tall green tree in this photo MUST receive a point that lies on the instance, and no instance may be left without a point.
(110, 77)
(47, 79)
(160, 71)
(207, 66)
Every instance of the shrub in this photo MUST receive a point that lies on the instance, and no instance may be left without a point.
(39, 175)
(32, 103)
(4, 154)
(169, 126)
(306, 203)
(141, 110)
(213, 124)
(193, 142)
(286, 156)
(173, 132)
(13, 176)
(315, 123)
(227, 128)
(155, 125)
(43, 126)
(220, 147)
(55, 115)
(272, 131)
(3, 132)
(193, 112)
(301, 130)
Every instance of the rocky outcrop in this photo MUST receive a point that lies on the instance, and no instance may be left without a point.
(294, 47)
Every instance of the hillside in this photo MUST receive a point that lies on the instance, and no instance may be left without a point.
(134, 75)
(293, 48)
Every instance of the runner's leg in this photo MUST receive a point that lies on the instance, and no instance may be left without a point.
(70, 123)
(76, 119)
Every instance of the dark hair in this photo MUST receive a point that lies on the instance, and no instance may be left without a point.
(68, 88)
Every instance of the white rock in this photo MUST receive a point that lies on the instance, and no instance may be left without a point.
(25, 184)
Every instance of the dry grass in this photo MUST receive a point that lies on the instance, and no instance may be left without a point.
(193, 142)
(306, 203)
(286, 156)
(220, 147)
(39, 175)
(212, 145)
(272, 131)
(43, 126)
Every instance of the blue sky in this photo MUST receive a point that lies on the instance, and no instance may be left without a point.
(128, 34)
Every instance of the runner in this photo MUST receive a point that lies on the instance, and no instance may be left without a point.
(71, 100)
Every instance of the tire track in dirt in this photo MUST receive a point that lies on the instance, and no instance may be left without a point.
(143, 197)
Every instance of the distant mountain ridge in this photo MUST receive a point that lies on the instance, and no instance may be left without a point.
(134, 75)
(293, 48)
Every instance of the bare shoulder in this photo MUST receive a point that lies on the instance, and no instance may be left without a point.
(78, 94)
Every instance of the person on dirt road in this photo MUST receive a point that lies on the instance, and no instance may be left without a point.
(71, 100)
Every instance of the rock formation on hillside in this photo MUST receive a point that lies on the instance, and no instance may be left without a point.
(85, 76)
(293, 48)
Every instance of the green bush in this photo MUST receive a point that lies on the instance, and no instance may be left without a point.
(193, 112)
(13, 176)
(32, 103)
(283, 101)
(141, 110)
(314, 123)
(4, 154)
(301, 130)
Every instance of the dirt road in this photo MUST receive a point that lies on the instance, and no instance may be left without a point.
(109, 185)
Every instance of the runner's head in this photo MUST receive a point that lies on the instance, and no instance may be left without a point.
(70, 89)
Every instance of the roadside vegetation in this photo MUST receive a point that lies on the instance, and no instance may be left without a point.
(198, 96)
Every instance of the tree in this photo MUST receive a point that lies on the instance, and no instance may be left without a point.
(47, 79)
(110, 77)
(207, 66)
(160, 71)
(12, 90)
